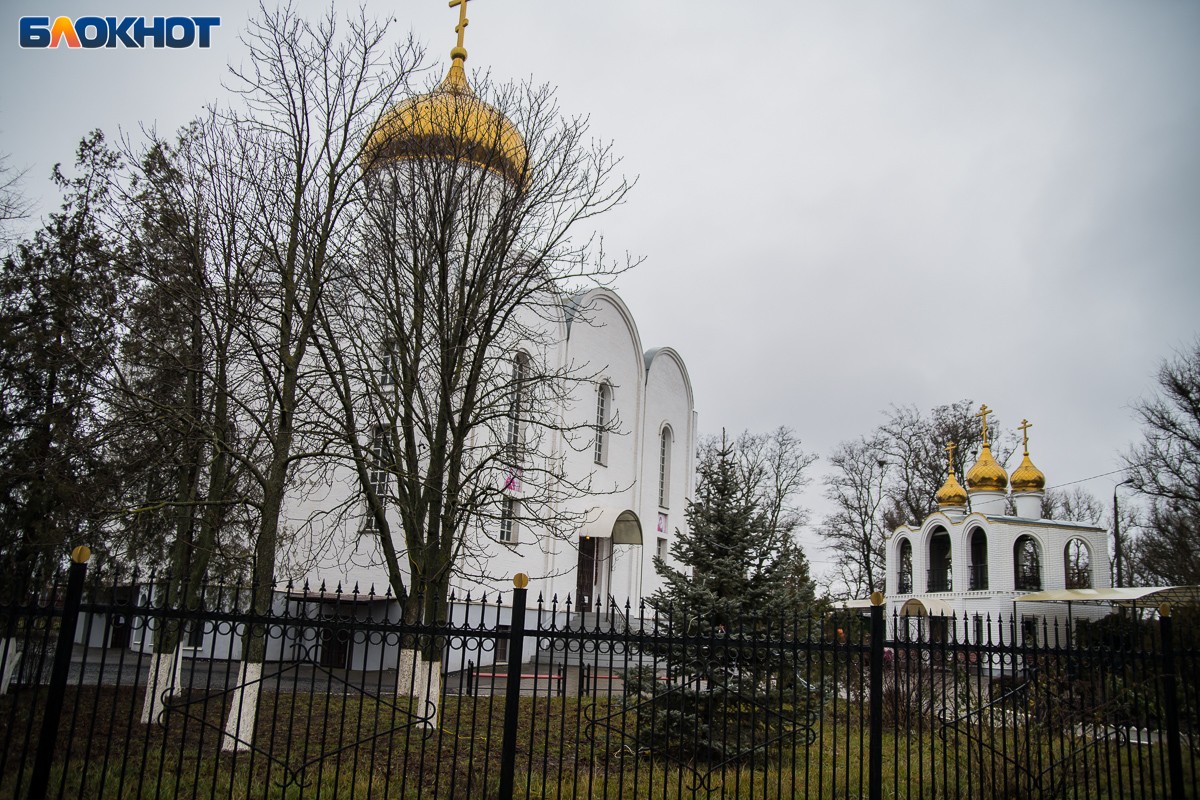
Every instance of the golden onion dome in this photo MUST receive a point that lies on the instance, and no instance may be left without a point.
(986, 475)
(1027, 477)
(450, 122)
(952, 494)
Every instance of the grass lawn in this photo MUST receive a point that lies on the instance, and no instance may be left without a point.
(335, 746)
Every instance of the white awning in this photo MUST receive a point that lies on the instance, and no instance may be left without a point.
(1125, 595)
(926, 607)
(623, 527)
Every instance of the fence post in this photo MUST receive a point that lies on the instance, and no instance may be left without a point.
(875, 745)
(39, 780)
(512, 689)
(1171, 698)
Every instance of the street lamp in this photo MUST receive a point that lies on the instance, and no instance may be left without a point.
(1118, 544)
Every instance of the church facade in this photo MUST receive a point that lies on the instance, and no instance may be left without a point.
(967, 563)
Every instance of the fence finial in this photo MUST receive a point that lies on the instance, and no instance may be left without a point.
(876, 598)
(1164, 610)
(520, 580)
(81, 554)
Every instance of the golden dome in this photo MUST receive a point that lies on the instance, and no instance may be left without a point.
(986, 475)
(1027, 477)
(952, 494)
(452, 123)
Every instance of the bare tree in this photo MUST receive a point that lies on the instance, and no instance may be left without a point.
(855, 533)
(442, 352)
(284, 185)
(13, 204)
(1165, 467)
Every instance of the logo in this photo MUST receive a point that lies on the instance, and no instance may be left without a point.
(133, 32)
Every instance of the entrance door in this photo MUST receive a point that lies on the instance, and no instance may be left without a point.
(585, 580)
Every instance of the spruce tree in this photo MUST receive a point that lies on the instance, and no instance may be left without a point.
(733, 613)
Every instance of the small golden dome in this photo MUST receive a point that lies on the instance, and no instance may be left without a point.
(952, 494)
(450, 122)
(1027, 477)
(986, 475)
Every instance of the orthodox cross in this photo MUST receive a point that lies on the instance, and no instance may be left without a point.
(461, 28)
(983, 413)
(1024, 429)
(950, 448)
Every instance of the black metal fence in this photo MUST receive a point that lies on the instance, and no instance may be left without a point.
(520, 698)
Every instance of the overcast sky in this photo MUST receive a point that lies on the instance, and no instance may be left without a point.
(842, 205)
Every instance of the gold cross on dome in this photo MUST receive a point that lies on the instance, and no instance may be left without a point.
(983, 413)
(950, 448)
(461, 29)
(1024, 429)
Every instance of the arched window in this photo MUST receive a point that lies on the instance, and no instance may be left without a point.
(940, 577)
(517, 405)
(906, 583)
(1078, 560)
(664, 467)
(1027, 555)
(603, 417)
(979, 560)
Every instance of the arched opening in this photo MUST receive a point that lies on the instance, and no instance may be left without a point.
(940, 578)
(906, 578)
(979, 560)
(1027, 555)
(1078, 560)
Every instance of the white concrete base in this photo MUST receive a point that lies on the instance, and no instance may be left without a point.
(10, 657)
(163, 682)
(243, 707)
(421, 680)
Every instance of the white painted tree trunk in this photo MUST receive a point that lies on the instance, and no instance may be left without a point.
(243, 708)
(421, 680)
(163, 682)
(10, 656)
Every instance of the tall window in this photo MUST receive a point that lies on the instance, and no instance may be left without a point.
(664, 467)
(508, 521)
(387, 365)
(603, 414)
(377, 474)
(517, 407)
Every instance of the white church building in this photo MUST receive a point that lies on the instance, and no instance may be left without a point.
(968, 562)
(625, 434)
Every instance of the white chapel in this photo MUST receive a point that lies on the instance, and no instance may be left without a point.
(968, 561)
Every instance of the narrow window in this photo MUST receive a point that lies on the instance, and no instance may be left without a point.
(508, 521)
(906, 583)
(664, 467)
(520, 377)
(387, 365)
(377, 475)
(603, 412)
(662, 548)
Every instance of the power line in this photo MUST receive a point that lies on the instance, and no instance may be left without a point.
(1084, 480)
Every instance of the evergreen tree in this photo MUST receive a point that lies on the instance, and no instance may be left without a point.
(58, 323)
(735, 611)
